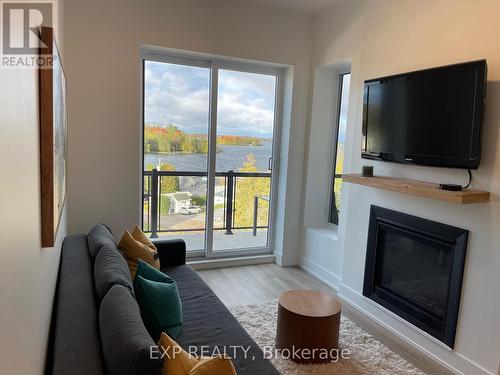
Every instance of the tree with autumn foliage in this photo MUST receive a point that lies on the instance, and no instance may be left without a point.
(168, 139)
(168, 184)
(236, 140)
(171, 139)
(247, 188)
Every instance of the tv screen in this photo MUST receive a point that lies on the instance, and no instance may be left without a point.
(429, 117)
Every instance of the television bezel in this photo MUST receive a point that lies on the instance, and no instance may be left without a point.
(480, 66)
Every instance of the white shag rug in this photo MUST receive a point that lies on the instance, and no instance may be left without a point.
(367, 355)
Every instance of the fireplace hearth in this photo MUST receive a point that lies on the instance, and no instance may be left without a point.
(414, 268)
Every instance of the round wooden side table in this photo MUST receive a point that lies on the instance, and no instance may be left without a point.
(308, 326)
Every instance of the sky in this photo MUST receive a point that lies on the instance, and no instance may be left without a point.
(179, 95)
(344, 101)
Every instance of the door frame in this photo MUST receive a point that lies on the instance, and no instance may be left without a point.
(216, 63)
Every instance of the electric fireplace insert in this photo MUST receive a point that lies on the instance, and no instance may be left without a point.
(414, 268)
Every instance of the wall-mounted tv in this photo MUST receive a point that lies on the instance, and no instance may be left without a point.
(428, 117)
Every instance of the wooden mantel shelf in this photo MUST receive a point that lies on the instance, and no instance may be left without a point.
(420, 189)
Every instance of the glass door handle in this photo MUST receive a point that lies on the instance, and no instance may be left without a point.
(270, 165)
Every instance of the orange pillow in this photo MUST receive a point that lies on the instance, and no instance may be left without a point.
(137, 246)
(220, 365)
(179, 362)
(139, 235)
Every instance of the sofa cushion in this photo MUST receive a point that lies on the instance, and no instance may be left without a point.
(158, 300)
(215, 326)
(110, 268)
(140, 236)
(125, 341)
(220, 365)
(77, 348)
(180, 362)
(176, 361)
(99, 236)
(134, 250)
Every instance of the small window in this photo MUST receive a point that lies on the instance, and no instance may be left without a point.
(339, 141)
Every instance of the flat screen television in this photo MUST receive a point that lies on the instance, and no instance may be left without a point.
(428, 117)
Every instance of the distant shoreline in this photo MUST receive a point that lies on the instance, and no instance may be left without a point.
(194, 153)
(174, 153)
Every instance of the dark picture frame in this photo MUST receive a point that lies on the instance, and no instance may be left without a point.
(53, 136)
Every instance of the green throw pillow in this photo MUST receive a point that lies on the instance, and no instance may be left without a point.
(159, 301)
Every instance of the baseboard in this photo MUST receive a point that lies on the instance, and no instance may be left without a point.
(320, 272)
(206, 264)
(452, 361)
(279, 258)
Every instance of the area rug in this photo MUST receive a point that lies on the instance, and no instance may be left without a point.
(366, 354)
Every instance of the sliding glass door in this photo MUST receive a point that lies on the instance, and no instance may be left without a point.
(176, 123)
(245, 127)
(209, 136)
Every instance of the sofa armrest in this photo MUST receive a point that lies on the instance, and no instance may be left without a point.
(171, 252)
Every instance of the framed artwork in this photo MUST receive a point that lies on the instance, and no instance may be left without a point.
(53, 136)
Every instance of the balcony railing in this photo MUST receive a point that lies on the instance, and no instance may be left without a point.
(335, 199)
(158, 187)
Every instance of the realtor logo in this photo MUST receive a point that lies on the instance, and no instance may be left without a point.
(20, 26)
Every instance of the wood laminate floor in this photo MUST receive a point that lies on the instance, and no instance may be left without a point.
(254, 284)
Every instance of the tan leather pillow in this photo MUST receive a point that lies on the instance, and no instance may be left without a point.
(220, 365)
(139, 235)
(136, 248)
(176, 361)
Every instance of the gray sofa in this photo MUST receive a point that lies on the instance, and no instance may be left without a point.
(97, 329)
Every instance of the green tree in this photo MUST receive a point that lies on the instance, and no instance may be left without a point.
(152, 145)
(339, 168)
(168, 184)
(199, 200)
(247, 188)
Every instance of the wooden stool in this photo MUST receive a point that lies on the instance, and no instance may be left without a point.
(308, 326)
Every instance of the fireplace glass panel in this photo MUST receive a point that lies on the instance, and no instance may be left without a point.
(415, 269)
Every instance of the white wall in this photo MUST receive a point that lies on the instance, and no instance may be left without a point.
(386, 37)
(102, 40)
(27, 272)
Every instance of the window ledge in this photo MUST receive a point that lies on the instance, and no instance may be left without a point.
(203, 264)
(329, 230)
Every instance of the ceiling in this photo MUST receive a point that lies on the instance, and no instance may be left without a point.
(312, 7)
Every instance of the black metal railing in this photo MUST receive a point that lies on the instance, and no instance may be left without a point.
(334, 203)
(153, 192)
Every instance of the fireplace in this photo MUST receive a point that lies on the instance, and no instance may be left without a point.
(414, 268)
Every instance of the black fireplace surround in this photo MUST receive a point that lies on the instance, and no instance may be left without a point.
(414, 268)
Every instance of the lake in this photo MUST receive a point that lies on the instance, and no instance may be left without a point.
(229, 158)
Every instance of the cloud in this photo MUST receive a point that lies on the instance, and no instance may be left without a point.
(344, 107)
(179, 95)
(246, 103)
